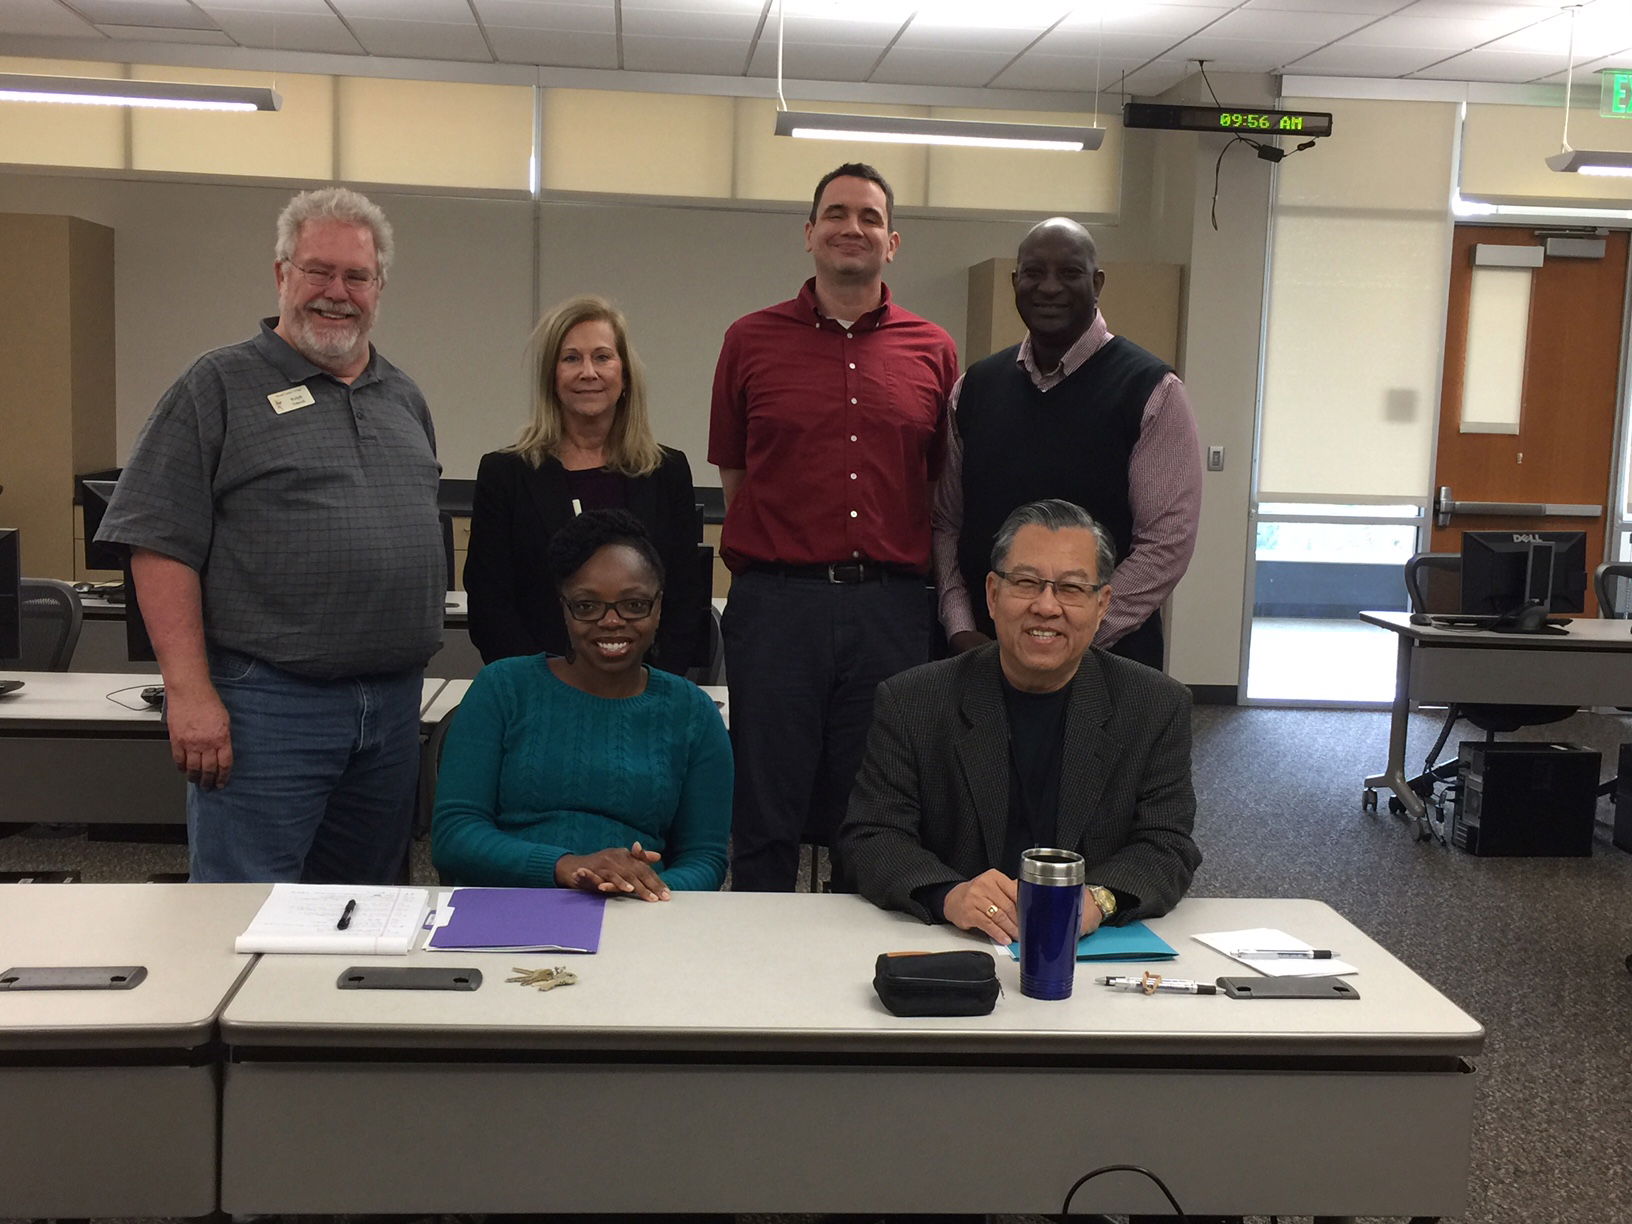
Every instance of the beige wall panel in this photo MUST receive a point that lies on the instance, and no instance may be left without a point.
(1083, 185)
(44, 134)
(295, 142)
(455, 316)
(49, 362)
(1381, 155)
(1141, 301)
(435, 133)
(665, 144)
(92, 389)
(1352, 365)
(771, 167)
(1504, 152)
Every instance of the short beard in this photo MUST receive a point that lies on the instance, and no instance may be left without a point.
(322, 348)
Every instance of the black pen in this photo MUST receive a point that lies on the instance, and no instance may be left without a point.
(1287, 953)
(345, 915)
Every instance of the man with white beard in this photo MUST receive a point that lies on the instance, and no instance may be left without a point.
(280, 507)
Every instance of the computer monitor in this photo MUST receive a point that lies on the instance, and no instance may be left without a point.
(11, 598)
(1503, 571)
(93, 501)
(97, 495)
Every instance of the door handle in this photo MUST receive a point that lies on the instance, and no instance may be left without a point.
(1445, 506)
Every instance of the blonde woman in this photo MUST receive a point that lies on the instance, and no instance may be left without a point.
(589, 447)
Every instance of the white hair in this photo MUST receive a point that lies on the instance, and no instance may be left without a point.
(335, 204)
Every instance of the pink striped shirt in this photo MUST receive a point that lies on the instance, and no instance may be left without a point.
(1164, 488)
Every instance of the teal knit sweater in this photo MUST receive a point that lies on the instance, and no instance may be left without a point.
(533, 769)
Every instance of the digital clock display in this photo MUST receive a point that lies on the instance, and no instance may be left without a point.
(1236, 119)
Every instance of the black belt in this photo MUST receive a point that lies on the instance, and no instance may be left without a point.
(848, 573)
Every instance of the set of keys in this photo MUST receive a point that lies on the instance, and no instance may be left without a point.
(544, 979)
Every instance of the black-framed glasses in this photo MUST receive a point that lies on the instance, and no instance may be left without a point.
(319, 277)
(594, 609)
(1029, 586)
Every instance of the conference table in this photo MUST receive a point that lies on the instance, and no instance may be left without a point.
(726, 1052)
(109, 1099)
(1588, 664)
(102, 646)
(83, 747)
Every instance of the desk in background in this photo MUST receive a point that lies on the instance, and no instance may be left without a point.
(725, 1052)
(102, 641)
(1590, 664)
(109, 1101)
(70, 754)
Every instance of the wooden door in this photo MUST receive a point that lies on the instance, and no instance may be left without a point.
(1562, 452)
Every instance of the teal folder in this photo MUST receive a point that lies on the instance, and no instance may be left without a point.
(1134, 942)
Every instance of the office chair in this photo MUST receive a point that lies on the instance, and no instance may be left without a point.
(51, 617)
(1607, 580)
(1433, 584)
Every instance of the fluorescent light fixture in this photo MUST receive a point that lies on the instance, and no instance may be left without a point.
(101, 91)
(1592, 161)
(898, 129)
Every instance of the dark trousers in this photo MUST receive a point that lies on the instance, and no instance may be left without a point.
(802, 658)
(1144, 644)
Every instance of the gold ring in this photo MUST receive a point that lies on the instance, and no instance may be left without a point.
(991, 911)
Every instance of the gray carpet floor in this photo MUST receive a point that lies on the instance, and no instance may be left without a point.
(1533, 948)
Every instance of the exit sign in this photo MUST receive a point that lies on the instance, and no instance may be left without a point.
(1615, 93)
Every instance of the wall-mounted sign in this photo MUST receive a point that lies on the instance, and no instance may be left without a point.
(1615, 93)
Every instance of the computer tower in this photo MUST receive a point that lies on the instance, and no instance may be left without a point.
(1525, 799)
(1622, 836)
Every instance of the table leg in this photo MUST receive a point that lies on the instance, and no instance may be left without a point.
(1393, 776)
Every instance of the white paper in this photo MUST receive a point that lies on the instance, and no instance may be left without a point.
(1269, 939)
(305, 918)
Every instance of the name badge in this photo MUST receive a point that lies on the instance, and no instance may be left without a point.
(288, 401)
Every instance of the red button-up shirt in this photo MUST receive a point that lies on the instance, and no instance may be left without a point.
(838, 431)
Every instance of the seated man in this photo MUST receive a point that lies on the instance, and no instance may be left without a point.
(1034, 740)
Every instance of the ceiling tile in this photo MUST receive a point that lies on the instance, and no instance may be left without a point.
(669, 23)
(1371, 8)
(1345, 60)
(1241, 54)
(20, 18)
(803, 30)
(152, 34)
(1278, 27)
(815, 61)
(1431, 33)
(450, 11)
(421, 39)
(1159, 77)
(166, 14)
(289, 31)
(1175, 19)
(1088, 44)
(1062, 72)
(960, 68)
(555, 48)
(1509, 66)
(279, 7)
(531, 15)
(708, 56)
(919, 37)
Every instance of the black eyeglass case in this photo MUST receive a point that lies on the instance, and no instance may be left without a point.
(936, 983)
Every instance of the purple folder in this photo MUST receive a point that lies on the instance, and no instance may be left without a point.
(521, 920)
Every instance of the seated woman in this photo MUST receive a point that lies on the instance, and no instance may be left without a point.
(589, 447)
(591, 771)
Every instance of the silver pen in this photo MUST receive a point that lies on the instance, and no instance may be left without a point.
(1287, 953)
(1151, 983)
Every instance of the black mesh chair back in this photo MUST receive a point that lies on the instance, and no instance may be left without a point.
(51, 617)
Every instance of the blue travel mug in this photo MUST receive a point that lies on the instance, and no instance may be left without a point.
(1050, 921)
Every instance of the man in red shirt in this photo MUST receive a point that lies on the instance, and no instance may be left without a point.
(826, 426)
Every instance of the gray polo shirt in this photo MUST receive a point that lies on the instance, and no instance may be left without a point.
(315, 529)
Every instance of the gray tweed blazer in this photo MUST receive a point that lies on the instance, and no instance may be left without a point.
(931, 801)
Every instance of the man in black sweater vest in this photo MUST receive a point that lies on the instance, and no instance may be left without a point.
(1076, 413)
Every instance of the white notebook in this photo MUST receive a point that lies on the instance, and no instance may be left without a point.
(307, 917)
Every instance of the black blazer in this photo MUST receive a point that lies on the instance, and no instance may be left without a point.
(514, 609)
(931, 801)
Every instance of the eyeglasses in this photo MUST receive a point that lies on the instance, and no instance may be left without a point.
(319, 278)
(595, 609)
(1071, 594)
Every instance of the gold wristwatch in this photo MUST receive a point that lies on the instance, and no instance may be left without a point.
(1104, 898)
